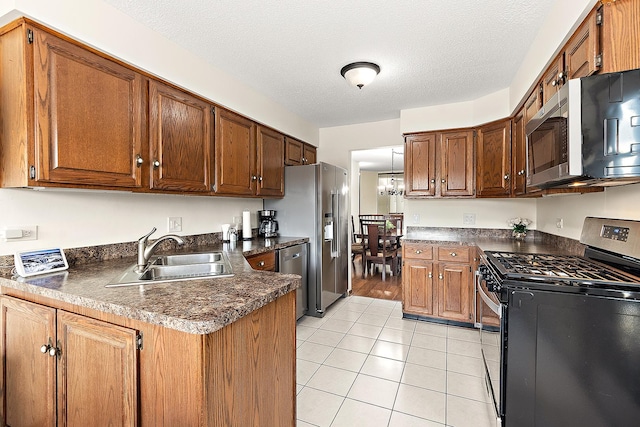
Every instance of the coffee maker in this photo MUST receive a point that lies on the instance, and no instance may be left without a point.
(268, 224)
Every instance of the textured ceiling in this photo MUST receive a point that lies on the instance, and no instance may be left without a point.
(430, 51)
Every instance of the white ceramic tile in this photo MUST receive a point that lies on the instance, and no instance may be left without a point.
(402, 324)
(390, 350)
(303, 332)
(357, 308)
(299, 388)
(398, 419)
(425, 377)
(344, 314)
(310, 321)
(464, 365)
(353, 413)
(385, 303)
(332, 380)
(420, 402)
(299, 343)
(336, 325)
(464, 348)
(346, 359)
(313, 352)
(305, 370)
(355, 343)
(382, 367)
(431, 329)
(372, 319)
(396, 335)
(303, 424)
(431, 342)
(317, 407)
(469, 413)
(467, 386)
(379, 310)
(463, 334)
(326, 337)
(361, 300)
(376, 391)
(362, 330)
(426, 357)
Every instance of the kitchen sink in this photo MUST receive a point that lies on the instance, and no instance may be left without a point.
(187, 259)
(171, 268)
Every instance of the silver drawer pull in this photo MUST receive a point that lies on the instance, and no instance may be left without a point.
(261, 264)
(453, 254)
(419, 251)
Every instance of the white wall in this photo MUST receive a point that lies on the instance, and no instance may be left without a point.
(368, 192)
(88, 218)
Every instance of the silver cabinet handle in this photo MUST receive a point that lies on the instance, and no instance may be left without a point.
(419, 251)
(443, 180)
(521, 172)
(260, 178)
(156, 164)
(253, 177)
(261, 264)
(45, 348)
(430, 275)
(53, 351)
(433, 181)
(139, 160)
(453, 254)
(506, 177)
(440, 276)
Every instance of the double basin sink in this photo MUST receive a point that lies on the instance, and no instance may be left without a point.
(170, 268)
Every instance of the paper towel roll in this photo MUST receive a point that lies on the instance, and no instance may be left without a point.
(246, 225)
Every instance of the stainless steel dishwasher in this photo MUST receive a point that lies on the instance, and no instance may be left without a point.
(293, 260)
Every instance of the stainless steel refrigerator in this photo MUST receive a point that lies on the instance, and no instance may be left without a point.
(316, 206)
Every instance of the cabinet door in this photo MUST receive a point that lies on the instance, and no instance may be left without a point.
(419, 165)
(519, 147)
(28, 377)
(454, 291)
(180, 130)
(418, 295)
(493, 164)
(533, 103)
(620, 35)
(456, 164)
(551, 80)
(235, 154)
(292, 152)
(265, 261)
(88, 114)
(97, 373)
(583, 48)
(308, 154)
(270, 146)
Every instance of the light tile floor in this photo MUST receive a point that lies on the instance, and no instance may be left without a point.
(364, 365)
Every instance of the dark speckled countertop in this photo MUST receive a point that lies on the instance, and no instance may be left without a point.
(197, 306)
(495, 240)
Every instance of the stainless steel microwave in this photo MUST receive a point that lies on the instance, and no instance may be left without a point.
(588, 133)
(554, 139)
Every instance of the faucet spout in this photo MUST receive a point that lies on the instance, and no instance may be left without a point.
(145, 252)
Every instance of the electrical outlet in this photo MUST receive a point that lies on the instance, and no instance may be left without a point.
(20, 233)
(416, 218)
(469, 218)
(559, 222)
(174, 223)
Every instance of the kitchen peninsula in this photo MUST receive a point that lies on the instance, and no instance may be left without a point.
(200, 352)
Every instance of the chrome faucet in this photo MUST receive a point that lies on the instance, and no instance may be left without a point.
(145, 252)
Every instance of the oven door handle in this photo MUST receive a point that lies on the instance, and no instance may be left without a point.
(492, 305)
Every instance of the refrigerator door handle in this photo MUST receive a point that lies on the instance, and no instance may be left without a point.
(336, 226)
(334, 241)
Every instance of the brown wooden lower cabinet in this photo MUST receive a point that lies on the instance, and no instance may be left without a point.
(437, 281)
(240, 375)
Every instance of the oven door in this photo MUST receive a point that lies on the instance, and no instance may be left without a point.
(492, 318)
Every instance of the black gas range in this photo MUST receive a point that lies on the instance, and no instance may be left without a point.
(567, 350)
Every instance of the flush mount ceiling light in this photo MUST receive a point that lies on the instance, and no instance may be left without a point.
(360, 73)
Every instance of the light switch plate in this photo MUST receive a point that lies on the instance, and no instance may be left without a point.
(174, 223)
(469, 218)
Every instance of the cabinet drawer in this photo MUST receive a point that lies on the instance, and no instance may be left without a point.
(417, 251)
(454, 253)
(265, 261)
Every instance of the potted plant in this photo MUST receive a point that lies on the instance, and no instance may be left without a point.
(519, 227)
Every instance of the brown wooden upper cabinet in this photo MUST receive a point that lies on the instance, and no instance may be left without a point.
(298, 153)
(235, 154)
(270, 162)
(181, 139)
(620, 35)
(533, 103)
(493, 160)
(439, 164)
(70, 116)
(249, 157)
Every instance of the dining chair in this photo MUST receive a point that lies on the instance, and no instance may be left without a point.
(357, 244)
(377, 247)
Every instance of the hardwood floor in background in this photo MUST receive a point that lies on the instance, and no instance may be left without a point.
(373, 286)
